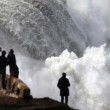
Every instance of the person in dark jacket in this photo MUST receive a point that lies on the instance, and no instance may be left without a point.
(63, 84)
(11, 61)
(3, 64)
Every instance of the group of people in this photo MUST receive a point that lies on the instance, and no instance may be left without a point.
(9, 60)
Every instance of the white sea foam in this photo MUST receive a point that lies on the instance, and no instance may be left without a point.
(92, 18)
(89, 77)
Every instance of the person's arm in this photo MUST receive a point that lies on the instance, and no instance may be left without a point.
(68, 83)
(59, 85)
(7, 59)
(15, 59)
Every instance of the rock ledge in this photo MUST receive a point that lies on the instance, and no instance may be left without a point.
(10, 103)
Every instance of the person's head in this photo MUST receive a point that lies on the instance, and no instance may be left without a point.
(11, 51)
(63, 74)
(3, 53)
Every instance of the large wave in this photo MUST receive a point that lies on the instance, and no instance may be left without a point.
(92, 18)
(89, 77)
(43, 28)
(47, 27)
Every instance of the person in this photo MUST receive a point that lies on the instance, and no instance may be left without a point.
(3, 64)
(12, 62)
(63, 84)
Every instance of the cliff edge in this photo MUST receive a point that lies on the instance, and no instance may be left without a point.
(10, 103)
(18, 97)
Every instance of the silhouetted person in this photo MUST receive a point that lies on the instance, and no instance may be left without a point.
(63, 84)
(12, 62)
(3, 64)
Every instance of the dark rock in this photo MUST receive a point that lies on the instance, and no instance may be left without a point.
(16, 88)
(19, 98)
(10, 103)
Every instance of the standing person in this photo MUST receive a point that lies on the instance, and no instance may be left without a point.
(63, 84)
(3, 64)
(12, 62)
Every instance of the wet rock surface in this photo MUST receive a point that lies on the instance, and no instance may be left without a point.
(10, 103)
(18, 97)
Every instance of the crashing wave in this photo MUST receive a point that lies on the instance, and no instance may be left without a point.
(43, 28)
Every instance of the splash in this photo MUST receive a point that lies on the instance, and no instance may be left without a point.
(89, 77)
(43, 28)
(92, 19)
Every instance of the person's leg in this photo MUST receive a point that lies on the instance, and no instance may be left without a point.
(11, 73)
(66, 100)
(11, 76)
(62, 99)
(3, 80)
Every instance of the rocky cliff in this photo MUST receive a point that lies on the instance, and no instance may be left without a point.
(10, 103)
(18, 97)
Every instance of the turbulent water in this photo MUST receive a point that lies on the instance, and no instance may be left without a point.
(73, 34)
(43, 28)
